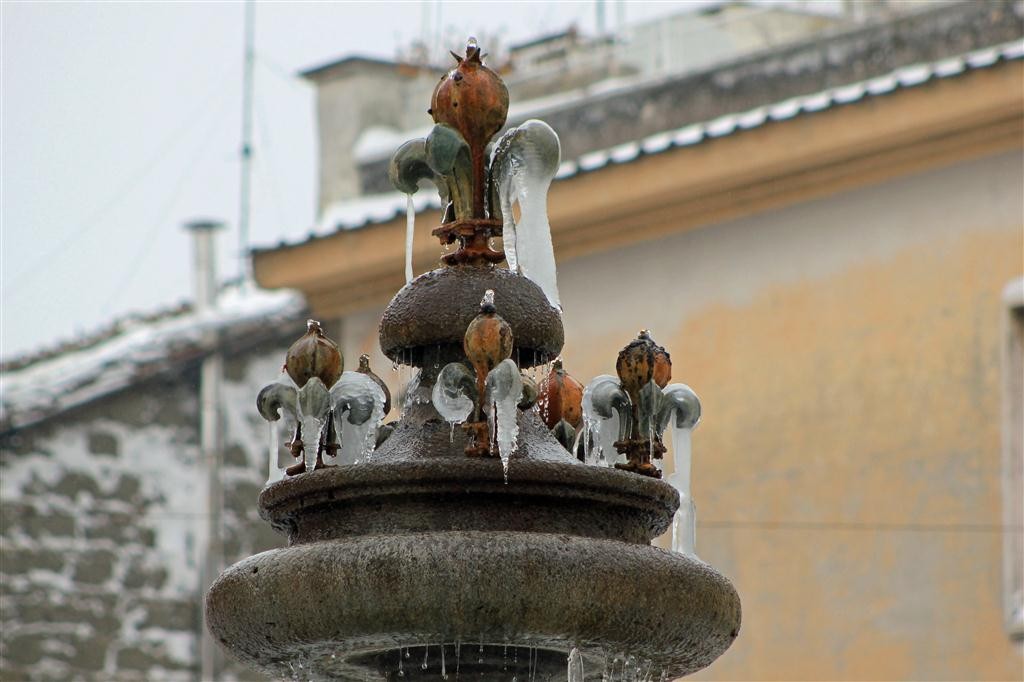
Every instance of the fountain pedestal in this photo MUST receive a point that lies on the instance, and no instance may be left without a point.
(422, 547)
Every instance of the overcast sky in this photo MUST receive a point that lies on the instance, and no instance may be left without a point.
(120, 121)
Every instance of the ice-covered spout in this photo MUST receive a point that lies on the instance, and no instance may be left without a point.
(358, 411)
(681, 411)
(606, 419)
(525, 161)
(454, 393)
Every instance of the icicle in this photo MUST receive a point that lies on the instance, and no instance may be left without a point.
(444, 671)
(504, 390)
(410, 225)
(682, 412)
(508, 231)
(684, 524)
(526, 159)
(575, 669)
(274, 472)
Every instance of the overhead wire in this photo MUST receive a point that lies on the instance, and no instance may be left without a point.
(265, 165)
(165, 209)
(124, 190)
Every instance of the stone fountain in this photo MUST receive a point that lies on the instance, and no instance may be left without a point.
(468, 539)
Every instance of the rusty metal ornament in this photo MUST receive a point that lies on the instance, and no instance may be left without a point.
(487, 342)
(641, 363)
(473, 100)
(471, 104)
(314, 355)
(560, 397)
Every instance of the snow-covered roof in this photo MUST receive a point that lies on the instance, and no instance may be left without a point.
(374, 209)
(39, 389)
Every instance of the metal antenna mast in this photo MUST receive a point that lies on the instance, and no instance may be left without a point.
(245, 184)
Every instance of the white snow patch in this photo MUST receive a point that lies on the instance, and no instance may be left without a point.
(949, 67)
(914, 75)
(753, 118)
(372, 208)
(848, 93)
(691, 134)
(817, 102)
(882, 84)
(76, 377)
(377, 142)
(723, 125)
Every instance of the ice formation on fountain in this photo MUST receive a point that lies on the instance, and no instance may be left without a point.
(354, 406)
(504, 388)
(358, 410)
(453, 393)
(681, 411)
(610, 416)
(492, 390)
(525, 161)
(606, 419)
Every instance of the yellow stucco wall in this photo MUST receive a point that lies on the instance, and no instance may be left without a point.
(846, 470)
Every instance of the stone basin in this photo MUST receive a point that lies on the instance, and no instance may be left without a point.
(387, 565)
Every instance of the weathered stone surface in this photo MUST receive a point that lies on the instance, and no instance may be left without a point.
(39, 606)
(139, 575)
(128, 489)
(426, 320)
(242, 495)
(47, 524)
(138, 658)
(88, 613)
(544, 590)
(235, 455)
(16, 561)
(74, 483)
(422, 545)
(11, 514)
(170, 614)
(94, 566)
(23, 649)
(119, 527)
(103, 443)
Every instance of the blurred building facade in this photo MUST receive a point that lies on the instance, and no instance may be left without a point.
(106, 521)
(818, 216)
(826, 235)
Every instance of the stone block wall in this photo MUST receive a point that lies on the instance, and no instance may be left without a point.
(103, 527)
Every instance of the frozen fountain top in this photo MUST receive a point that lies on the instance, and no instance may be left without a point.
(411, 535)
(478, 187)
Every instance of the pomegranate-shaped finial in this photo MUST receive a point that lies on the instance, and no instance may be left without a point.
(487, 342)
(559, 397)
(642, 361)
(471, 98)
(314, 355)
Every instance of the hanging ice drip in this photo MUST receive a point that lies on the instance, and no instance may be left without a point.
(682, 413)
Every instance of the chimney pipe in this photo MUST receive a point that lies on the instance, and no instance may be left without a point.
(204, 262)
(210, 373)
